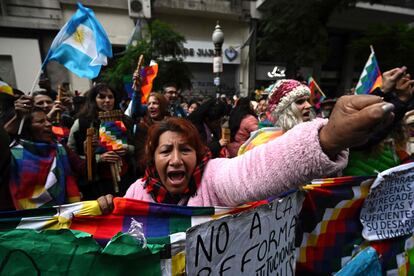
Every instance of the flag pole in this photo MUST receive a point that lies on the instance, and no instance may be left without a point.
(317, 87)
(372, 48)
(35, 81)
(30, 93)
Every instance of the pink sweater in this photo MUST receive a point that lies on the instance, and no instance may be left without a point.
(247, 125)
(269, 169)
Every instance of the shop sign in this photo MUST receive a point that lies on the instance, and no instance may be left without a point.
(203, 52)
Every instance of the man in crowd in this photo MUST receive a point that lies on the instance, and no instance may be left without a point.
(171, 94)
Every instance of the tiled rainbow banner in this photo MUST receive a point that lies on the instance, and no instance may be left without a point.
(328, 235)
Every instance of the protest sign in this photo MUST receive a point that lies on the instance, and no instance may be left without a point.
(388, 211)
(258, 242)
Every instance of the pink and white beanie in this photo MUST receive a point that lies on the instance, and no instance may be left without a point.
(284, 93)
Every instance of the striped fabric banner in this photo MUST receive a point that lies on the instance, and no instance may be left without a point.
(328, 236)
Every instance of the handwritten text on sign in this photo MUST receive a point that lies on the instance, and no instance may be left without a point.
(388, 211)
(258, 242)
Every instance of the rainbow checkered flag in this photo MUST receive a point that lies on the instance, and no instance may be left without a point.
(67, 239)
(330, 231)
(112, 136)
(316, 96)
(371, 77)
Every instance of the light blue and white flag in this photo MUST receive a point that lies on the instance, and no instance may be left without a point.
(82, 45)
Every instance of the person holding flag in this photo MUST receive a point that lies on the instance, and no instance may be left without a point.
(101, 98)
(377, 154)
(82, 46)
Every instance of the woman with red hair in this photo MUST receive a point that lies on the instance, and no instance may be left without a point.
(157, 110)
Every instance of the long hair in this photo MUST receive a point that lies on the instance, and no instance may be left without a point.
(163, 106)
(290, 117)
(242, 109)
(90, 109)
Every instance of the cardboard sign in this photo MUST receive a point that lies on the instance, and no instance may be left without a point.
(258, 242)
(388, 211)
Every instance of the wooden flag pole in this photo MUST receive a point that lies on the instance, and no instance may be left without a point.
(317, 87)
(89, 152)
(137, 76)
(58, 99)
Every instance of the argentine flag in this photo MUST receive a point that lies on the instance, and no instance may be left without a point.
(82, 45)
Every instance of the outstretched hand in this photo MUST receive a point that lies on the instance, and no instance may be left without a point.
(353, 121)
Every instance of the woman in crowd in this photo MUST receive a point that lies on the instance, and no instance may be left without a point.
(261, 106)
(192, 106)
(181, 172)
(288, 106)
(61, 127)
(242, 122)
(42, 100)
(207, 119)
(101, 98)
(39, 172)
(157, 110)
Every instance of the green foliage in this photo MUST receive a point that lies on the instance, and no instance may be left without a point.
(393, 45)
(165, 41)
(160, 43)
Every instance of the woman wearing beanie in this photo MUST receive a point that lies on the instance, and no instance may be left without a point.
(288, 106)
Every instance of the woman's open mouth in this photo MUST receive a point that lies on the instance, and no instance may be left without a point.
(306, 116)
(176, 177)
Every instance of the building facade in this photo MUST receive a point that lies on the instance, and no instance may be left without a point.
(27, 29)
(341, 71)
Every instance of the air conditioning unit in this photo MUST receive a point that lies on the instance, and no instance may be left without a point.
(139, 8)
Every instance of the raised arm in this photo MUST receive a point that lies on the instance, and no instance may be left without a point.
(310, 150)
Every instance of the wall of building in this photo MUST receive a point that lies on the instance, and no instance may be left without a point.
(195, 20)
(26, 66)
(198, 31)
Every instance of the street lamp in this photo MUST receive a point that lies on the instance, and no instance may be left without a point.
(218, 39)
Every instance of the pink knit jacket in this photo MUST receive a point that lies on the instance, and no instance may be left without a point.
(270, 169)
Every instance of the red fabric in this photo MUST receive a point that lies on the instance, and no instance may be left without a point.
(148, 76)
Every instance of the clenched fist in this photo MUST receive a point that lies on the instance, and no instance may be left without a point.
(354, 119)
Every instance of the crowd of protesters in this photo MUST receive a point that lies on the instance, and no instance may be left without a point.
(215, 151)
